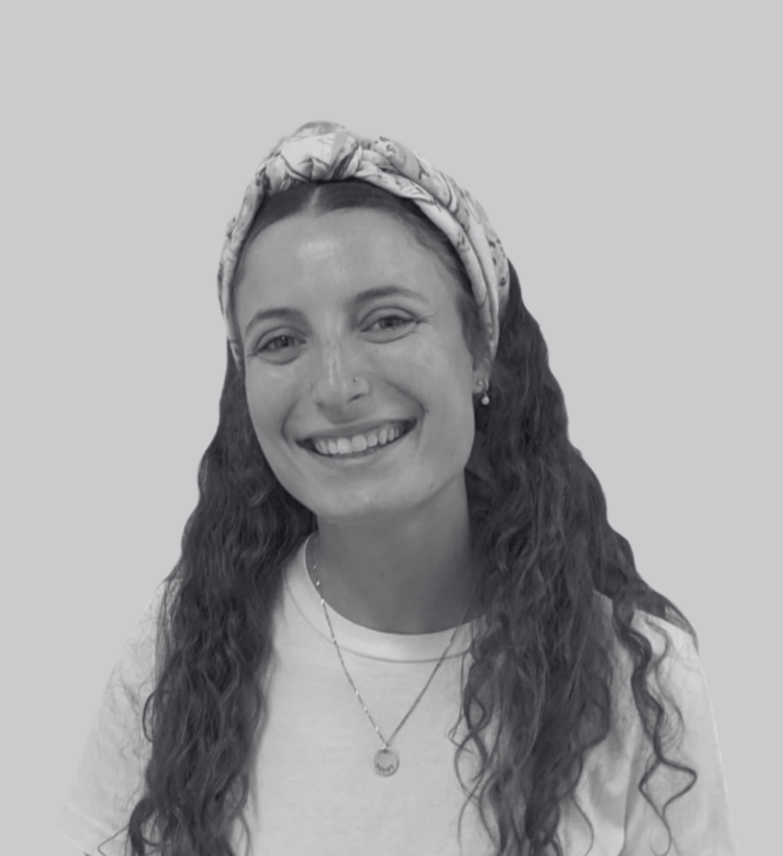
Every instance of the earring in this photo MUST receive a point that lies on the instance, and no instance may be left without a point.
(484, 398)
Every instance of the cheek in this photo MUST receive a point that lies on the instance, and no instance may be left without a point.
(459, 429)
(447, 395)
(267, 413)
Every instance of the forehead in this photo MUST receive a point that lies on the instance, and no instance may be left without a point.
(331, 254)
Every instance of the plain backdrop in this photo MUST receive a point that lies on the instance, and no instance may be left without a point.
(628, 156)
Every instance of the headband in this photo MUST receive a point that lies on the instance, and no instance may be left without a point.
(325, 151)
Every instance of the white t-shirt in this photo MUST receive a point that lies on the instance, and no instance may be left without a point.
(314, 791)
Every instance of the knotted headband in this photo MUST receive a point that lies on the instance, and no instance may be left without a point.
(325, 151)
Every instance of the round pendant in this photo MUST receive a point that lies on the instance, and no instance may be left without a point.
(386, 762)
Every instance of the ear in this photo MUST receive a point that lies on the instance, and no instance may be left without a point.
(482, 368)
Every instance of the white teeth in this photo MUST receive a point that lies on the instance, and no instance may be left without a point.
(359, 442)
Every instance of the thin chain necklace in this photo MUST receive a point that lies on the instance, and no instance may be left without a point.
(386, 760)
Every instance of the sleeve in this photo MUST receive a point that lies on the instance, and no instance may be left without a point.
(110, 775)
(699, 820)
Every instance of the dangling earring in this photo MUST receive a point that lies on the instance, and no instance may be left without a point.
(484, 398)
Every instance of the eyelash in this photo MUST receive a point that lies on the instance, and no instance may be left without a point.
(267, 346)
(404, 320)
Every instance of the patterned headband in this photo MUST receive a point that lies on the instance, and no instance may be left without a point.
(324, 151)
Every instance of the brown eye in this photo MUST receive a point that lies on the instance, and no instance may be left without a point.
(279, 343)
(391, 322)
(280, 348)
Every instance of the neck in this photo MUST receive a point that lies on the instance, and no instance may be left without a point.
(413, 574)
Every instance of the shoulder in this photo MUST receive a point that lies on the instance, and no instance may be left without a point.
(673, 702)
(135, 671)
(674, 689)
(110, 776)
(671, 644)
(689, 784)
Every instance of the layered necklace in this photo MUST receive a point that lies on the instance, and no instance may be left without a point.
(386, 760)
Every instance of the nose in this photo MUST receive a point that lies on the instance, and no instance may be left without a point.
(338, 375)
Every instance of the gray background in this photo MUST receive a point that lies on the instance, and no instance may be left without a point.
(630, 161)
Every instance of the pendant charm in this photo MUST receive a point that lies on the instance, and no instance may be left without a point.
(386, 762)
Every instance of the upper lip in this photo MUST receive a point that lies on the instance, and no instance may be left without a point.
(353, 429)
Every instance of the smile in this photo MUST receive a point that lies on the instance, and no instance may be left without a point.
(359, 445)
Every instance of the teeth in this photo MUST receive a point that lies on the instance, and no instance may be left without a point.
(359, 442)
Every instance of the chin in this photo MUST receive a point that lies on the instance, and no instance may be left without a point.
(357, 507)
(356, 511)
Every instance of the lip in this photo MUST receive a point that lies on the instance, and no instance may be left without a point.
(354, 429)
(410, 426)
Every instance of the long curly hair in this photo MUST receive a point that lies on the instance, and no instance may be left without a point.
(536, 697)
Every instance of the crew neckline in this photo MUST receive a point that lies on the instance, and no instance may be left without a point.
(365, 641)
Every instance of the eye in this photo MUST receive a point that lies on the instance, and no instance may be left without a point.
(279, 343)
(279, 348)
(391, 323)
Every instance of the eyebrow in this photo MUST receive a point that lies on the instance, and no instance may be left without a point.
(367, 296)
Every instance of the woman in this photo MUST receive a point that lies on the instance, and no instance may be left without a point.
(401, 622)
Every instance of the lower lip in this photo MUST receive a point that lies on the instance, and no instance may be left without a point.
(370, 452)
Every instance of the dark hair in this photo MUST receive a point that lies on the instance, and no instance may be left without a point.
(541, 672)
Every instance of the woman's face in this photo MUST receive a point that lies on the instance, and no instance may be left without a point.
(358, 378)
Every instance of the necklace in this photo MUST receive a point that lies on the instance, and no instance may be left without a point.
(386, 760)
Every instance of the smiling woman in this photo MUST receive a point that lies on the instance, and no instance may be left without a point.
(373, 347)
(401, 622)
